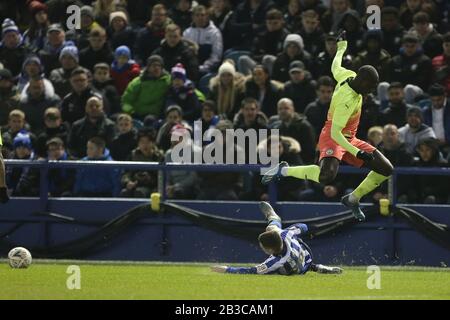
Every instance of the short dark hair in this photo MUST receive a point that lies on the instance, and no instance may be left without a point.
(77, 71)
(432, 143)
(325, 81)
(149, 133)
(210, 104)
(260, 66)
(436, 90)
(249, 100)
(310, 14)
(415, 110)
(410, 38)
(395, 85)
(274, 14)
(98, 141)
(421, 17)
(390, 10)
(271, 240)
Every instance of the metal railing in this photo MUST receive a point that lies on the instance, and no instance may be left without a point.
(44, 166)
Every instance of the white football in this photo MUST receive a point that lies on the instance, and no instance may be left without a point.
(19, 257)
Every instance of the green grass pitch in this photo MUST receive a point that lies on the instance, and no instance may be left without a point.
(160, 281)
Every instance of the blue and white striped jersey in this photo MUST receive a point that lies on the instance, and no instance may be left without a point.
(295, 259)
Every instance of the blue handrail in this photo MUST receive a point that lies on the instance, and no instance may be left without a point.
(44, 166)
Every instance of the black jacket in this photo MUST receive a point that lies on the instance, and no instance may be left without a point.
(243, 20)
(416, 69)
(301, 130)
(396, 114)
(272, 95)
(259, 123)
(147, 41)
(314, 42)
(379, 59)
(181, 18)
(123, 144)
(370, 116)
(89, 58)
(432, 44)
(34, 109)
(392, 40)
(268, 43)
(73, 105)
(60, 79)
(61, 132)
(109, 91)
(398, 157)
(280, 70)
(13, 59)
(300, 93)
(83, 130)
(183, 53)
(425, 186)
(50, 60)
(354, 37)
(223, 23)
(316, 113)
(125, 37)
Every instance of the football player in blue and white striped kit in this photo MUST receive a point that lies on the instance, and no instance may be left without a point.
(288, 253)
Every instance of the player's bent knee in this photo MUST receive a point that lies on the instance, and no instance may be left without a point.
(388, 170)
(385, 170)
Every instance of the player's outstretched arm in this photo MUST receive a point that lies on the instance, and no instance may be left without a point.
(339, 72)
(338, 137)
(240, 270)
(270, 265)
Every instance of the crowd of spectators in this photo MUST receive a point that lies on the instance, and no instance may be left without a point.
(139, 72)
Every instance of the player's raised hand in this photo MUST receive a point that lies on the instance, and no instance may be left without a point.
(365, 156)
(4, 197)
(219, 269)
(342, 36)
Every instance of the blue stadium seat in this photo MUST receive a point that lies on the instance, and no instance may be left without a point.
(234, 55)
(203, 83)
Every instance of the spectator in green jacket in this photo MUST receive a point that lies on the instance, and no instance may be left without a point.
(145, 95)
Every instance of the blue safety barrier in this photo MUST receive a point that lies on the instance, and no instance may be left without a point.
(386, 239)
(44, 166)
